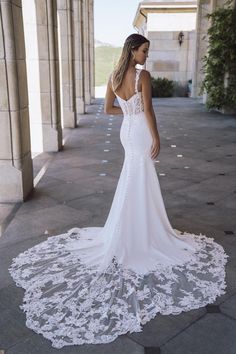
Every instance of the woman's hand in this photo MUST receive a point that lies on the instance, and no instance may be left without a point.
(146, 85)
(155, 148)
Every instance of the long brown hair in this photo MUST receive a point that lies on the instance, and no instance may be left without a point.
(132, 42)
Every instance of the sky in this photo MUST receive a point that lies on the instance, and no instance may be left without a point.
(113, 20)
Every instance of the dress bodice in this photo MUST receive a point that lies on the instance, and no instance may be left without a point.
(134, 105)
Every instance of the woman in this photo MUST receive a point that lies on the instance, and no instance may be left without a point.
(92, 284)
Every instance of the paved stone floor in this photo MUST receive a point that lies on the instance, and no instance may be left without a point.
(75, 187)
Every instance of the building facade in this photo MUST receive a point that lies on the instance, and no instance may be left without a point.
(170, 27)
(162, 22)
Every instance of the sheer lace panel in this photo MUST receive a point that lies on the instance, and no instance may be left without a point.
(134, 105)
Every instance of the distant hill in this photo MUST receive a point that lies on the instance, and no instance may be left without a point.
(98, 43)
(106, 56)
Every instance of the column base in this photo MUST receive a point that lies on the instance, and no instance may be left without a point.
(87, 98)
(69, 119)
(80, 106)
(52, 138)
(16, 184)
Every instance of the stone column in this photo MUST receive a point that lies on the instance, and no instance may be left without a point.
(40, 23)
(86, 52)
(52, 131)
(65, 15)
(91, 48)
(202, 25)
(16, 174)
(78, 53)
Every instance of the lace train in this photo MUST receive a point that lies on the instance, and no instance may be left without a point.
(70, 303)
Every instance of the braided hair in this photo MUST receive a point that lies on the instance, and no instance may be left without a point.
(132, 42)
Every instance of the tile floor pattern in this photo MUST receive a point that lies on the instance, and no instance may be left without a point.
(75, 187)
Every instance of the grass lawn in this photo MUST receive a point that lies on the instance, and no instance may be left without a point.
(105, 60)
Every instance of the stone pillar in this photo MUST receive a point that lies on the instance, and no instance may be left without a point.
(78, 53)
(86, 52)
(202, 24)
(16, 174)
(40, 23)
(91, 48)
(65, 15)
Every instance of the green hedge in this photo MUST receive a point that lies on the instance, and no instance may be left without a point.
(162, 87)
(220, 61)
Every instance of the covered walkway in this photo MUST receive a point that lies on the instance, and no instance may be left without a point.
(75, 187)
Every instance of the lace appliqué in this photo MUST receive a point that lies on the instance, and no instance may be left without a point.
(70, 304)
(134, 105)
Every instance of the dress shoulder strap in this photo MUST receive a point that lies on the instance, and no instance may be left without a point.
(138, 71)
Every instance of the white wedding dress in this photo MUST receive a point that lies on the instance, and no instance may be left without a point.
(95, 283)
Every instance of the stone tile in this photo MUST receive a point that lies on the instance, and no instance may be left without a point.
(81, 188)
(169, 183)
(229, 244)
(213, 216)
(212, 168)
(212, 308)
(11, 297)
(37, 222)
(228, 148)
(152, 350)
(206, 190)
(98, 203)
(228, 307)
(7, 212)
(47, 181)
(73, 161)
(178, 204)
(73, 174)
(12, 327)
(162, 328)
(37, 344)
(229, 232)
(41, 159)
(110, 168)
(36, 202)
(212, 334)
(228, 202)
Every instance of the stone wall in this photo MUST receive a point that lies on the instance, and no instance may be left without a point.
(167, 58)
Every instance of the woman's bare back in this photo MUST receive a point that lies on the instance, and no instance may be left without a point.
(127, 88)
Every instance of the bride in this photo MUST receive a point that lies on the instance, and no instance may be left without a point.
(92, 284)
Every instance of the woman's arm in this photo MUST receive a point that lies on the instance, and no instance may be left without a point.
(149, 112)
(109, 107)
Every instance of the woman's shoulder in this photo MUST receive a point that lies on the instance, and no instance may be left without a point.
(145, 75)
